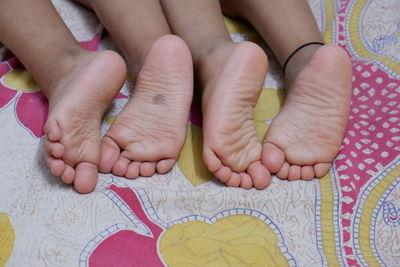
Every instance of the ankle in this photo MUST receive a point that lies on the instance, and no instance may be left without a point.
(211, 53)
(136, 54)
(298, 62)
(61, 66)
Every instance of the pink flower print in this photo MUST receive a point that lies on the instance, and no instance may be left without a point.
(6, 95)
(92, 45)
(126, 247)
(17, 86)
(31, 110)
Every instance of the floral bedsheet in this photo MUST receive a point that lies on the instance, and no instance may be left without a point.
(351, 217)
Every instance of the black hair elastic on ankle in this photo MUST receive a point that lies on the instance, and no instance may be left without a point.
(297, 50)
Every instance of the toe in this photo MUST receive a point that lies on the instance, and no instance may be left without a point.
(245, 181)
(56, 166)
(223, 174)
(272, 157)
(121, 166)
(283, 173)
(164, 166)
(133, 170)
(234, 180)
(147, 169)
(211, 160)
(68, 175)
(321, 169)
(109, 155)
(294, 173)
(85, 177)
(54, 148)
(52, 130)
(259, 174)
(307, 173)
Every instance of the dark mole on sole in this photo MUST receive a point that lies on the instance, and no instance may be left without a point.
(159, 99)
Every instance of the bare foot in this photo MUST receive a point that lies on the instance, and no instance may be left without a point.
(232, 76)
(148, 135)
(305, 136)
(76, 106)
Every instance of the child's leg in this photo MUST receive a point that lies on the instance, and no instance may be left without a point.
(148, 135)
(79, 85)
(306, 135)
(232, 76)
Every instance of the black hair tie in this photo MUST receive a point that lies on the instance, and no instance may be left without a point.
(297, 50)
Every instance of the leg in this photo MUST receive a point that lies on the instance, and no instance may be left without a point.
(306, 135)
(148, 135)
(79, 85)
(231, 76)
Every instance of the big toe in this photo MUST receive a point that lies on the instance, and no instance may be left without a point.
(86, 177)
(259, 174)
(272, 157)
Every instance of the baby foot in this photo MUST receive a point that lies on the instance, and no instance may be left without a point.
(305, 136)
(149, 133)
(76, 106)
(232, 76)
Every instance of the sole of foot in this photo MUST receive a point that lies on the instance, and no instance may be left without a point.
(306, 135)
(149, 133)
(232, 77)
(76, 107)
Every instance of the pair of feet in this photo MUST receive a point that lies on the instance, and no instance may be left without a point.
(148, 135)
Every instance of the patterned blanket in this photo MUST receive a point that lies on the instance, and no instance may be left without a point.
(351, 217)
